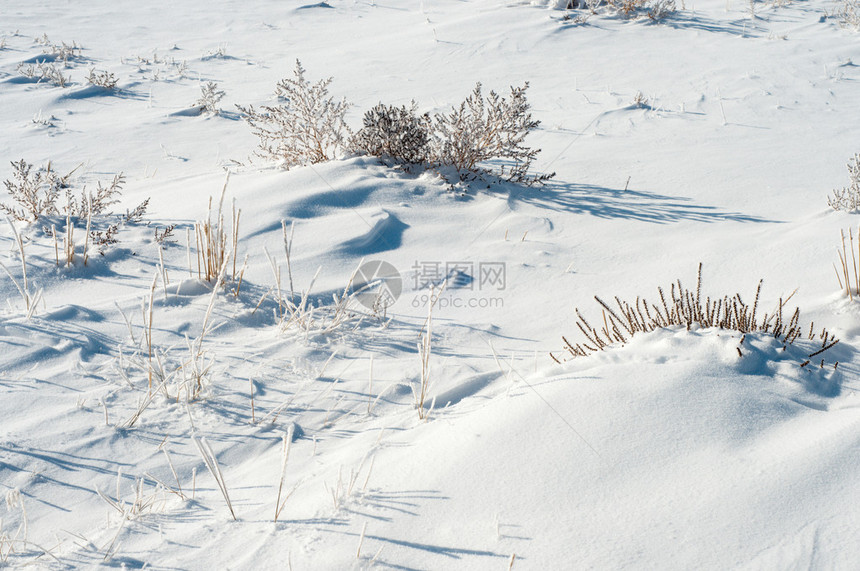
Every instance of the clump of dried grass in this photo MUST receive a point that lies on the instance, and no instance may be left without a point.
(687, 308)
(213, 240)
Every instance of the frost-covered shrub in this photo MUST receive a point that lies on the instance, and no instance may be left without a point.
(104, 79)
(210, 95)
(44, 72)
(61, 52)
(307, 127)
(654, 10)
(849, 14)
(657, 10)
(395, 133)
(848, 198)
(485, 136)
(35, 192)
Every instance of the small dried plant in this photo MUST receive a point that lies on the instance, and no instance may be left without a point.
(165, 237)
(136, 215)
(35, 191)
(849, 277)
(287, 440)
(30, 299)
(103, 79)
(577, 20)
(61, 52)
(94, 204)
(654, 10)
(140, 503)
(307, 127)
(658, 10)
(628, 8)
(210, 95)
(44, 72)
(213, 239)
(42, 121)
(488, 131)
(687, 308)
(424, 351)
(848, 13)
(848, 198)
(16, 549)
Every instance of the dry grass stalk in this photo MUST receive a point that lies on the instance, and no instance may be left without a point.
(288, 440)
(212, 464)
(686, 308)
(424, 350)
(30, 300)
(851, 271)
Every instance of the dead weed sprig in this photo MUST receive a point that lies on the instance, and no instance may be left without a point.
(486, 131)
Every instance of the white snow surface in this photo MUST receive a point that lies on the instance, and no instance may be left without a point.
(670, 451)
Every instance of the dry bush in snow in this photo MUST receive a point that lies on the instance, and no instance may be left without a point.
(848, 13)
(307, 127)
(848, 198)
(657, 10)
(35, 192)
(395, 133)
(485, 136)
(654, 10)
(210, 95)
(44, 72)
(61, 52)
(104, 79)
(94, 203)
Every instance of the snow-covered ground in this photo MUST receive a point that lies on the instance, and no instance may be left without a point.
(676, 450)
